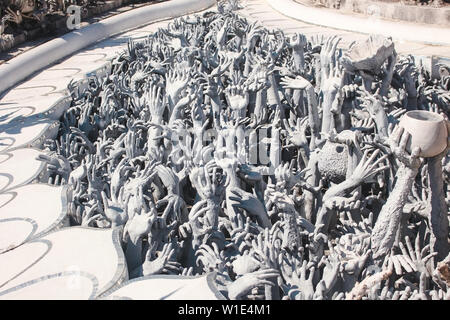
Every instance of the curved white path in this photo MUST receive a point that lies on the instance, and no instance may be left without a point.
(398, 30)
(293, 17)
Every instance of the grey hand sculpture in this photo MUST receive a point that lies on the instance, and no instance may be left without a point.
(221, 146)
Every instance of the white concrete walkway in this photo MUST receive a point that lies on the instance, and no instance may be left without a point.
(329, 18)
(273, 14)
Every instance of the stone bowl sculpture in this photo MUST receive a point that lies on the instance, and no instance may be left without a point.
(428, 131)
(369, 55)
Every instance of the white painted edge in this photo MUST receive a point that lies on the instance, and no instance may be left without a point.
(402, 31)
(24, 65)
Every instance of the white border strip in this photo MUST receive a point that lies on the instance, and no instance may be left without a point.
(369, 25)
(24, 65)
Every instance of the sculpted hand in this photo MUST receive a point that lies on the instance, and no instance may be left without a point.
(398, 141)
(114, 212)
(176, 80)
(304, 283)
(412, 259)
(158, 265)
(118, 177)
(210, 258)
(57, 165)
(237, 97)
(209, 185)
(79, 173)
(156, 101)
(199, 226)
(251, 204)
(368, 167)
(298, 83)
(297, 132)
(242, 286)
(88, 216)
(140, 224)
(328, 54)
(249, 174)
(297, 41)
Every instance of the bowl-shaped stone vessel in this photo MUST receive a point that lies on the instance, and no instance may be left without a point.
(369, 55)
(428, 131)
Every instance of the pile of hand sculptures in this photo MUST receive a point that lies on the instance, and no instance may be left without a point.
(221, 146)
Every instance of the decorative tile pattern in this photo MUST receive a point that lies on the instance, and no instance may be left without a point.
(84, 250)
(168, 287)
(31, 211)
